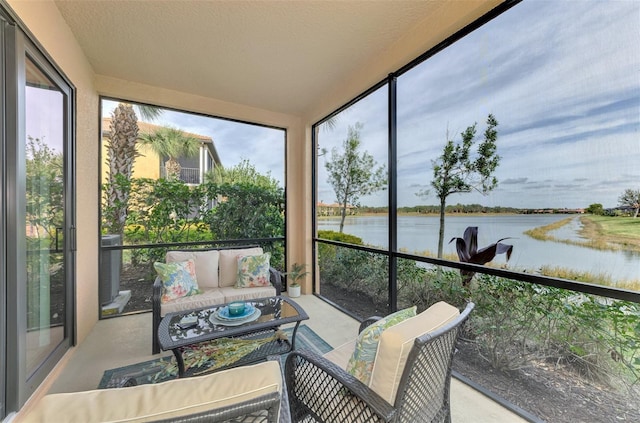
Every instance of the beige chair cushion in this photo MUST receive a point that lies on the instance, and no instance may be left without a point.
(208, 298)
(228, 263)
(245, 294)
(206, 265)
(396, 343)
(340, 355)
(162, 400)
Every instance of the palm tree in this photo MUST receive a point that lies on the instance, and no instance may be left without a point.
(121, 153)
(172, 143)
(148, 113)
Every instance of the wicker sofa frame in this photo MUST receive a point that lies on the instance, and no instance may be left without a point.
(319, 390)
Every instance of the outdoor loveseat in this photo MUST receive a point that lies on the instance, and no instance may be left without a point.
(408, 379)
(217, 275)
(242, 394)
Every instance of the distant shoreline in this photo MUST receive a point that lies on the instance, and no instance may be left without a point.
(437, 214)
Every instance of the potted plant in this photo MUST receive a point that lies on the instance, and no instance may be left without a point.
(294, 275)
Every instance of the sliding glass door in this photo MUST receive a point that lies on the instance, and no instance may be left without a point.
(45, 216)
(38, 217)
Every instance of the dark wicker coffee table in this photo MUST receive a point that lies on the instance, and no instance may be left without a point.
(274, 312)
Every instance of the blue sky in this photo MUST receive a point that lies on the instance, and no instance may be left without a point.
(563, 80)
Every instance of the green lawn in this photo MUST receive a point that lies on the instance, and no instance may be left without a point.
(617, 226)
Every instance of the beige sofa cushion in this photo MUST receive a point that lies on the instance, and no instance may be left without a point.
(396, 343)
(159, 401)
(246, 294)
(228, 263)
(209, 297)
(206, 265)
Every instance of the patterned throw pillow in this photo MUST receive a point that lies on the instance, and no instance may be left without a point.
(253, 271)
(178, 279)
(361, 362)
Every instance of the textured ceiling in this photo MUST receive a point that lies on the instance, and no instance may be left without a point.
(275, 55)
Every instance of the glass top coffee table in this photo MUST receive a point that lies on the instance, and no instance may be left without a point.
(177, 334)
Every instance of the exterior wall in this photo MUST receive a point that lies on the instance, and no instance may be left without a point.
(146, 166)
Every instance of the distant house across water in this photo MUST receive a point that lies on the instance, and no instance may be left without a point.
(333, 209)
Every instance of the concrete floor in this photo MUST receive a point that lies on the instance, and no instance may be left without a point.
(126, 340)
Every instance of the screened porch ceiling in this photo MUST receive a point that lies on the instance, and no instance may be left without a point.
(281, 56)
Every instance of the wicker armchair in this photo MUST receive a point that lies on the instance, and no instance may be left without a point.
(321, 390)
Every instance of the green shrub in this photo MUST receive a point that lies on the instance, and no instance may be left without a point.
(518, 324)
(424, 286)
(246, 211)
(340, 237)
(362, 272)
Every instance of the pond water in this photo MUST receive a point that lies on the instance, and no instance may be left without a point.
(417, 234)
(570, 231)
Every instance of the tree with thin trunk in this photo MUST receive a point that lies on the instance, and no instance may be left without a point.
(631, 198)
(353, 174)
(456, 171)
(172, 143)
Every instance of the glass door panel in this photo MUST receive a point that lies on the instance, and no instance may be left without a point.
(45, 217)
